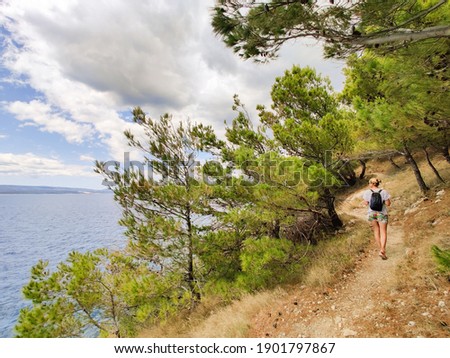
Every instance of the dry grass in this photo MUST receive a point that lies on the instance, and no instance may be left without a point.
(338, 255)
(234, 321)
(214, 321)
(428, 220)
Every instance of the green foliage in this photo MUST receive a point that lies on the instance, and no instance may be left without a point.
(101, 291)
(242, 133)
(303, 95)
(306, 119)
(401, 100)
(406, 14)
(267, 262)
(442, 258)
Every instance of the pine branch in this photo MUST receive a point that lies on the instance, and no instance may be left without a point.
(428, 33)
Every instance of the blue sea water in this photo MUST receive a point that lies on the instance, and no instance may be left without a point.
(48, 227)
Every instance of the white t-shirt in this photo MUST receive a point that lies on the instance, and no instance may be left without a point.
(384, 195)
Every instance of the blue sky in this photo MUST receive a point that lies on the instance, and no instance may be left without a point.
(71, 71)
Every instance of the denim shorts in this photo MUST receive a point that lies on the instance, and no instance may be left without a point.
(377, 216)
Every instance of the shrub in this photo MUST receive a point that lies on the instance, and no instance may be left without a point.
(442, 258)
(267, 262)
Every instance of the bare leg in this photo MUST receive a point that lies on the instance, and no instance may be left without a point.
(383, 237)
(376, 233)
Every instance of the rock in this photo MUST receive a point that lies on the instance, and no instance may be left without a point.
(441, 304)
(349, 332)
(415, 207)
(411, 323)
(411, 210)
(436, 222)
(440, 192)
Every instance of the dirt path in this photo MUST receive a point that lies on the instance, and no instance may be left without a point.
(347, 309)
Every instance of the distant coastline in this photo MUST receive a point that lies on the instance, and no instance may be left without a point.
(25, 189)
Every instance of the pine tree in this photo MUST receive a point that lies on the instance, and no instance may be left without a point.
(166, 211)
(392, 96)
(306, 121)
(100, 292)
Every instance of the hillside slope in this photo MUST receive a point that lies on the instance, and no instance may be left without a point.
(400, 297)
(403, 296)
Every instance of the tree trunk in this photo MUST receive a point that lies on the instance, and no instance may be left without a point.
(435, 171)
(445, 153)
(329, 200)
(190, 269)
(394, 163)
(363, 170)
(348, 174)
(410, 159)
(276, 229)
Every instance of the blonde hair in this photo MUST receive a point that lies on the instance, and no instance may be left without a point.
(375, 181)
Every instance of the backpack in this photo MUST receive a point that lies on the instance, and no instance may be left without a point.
(376, 201)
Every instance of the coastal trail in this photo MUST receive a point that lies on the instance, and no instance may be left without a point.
(359, 300)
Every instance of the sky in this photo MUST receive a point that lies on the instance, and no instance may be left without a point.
(72, 71)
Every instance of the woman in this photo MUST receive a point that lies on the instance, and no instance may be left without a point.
(378, 218)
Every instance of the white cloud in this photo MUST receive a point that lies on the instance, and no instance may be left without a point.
(42, 115)
(92, 60)
(87, 158)
(31, 165)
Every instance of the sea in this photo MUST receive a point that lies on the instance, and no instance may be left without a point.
(48, 227)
